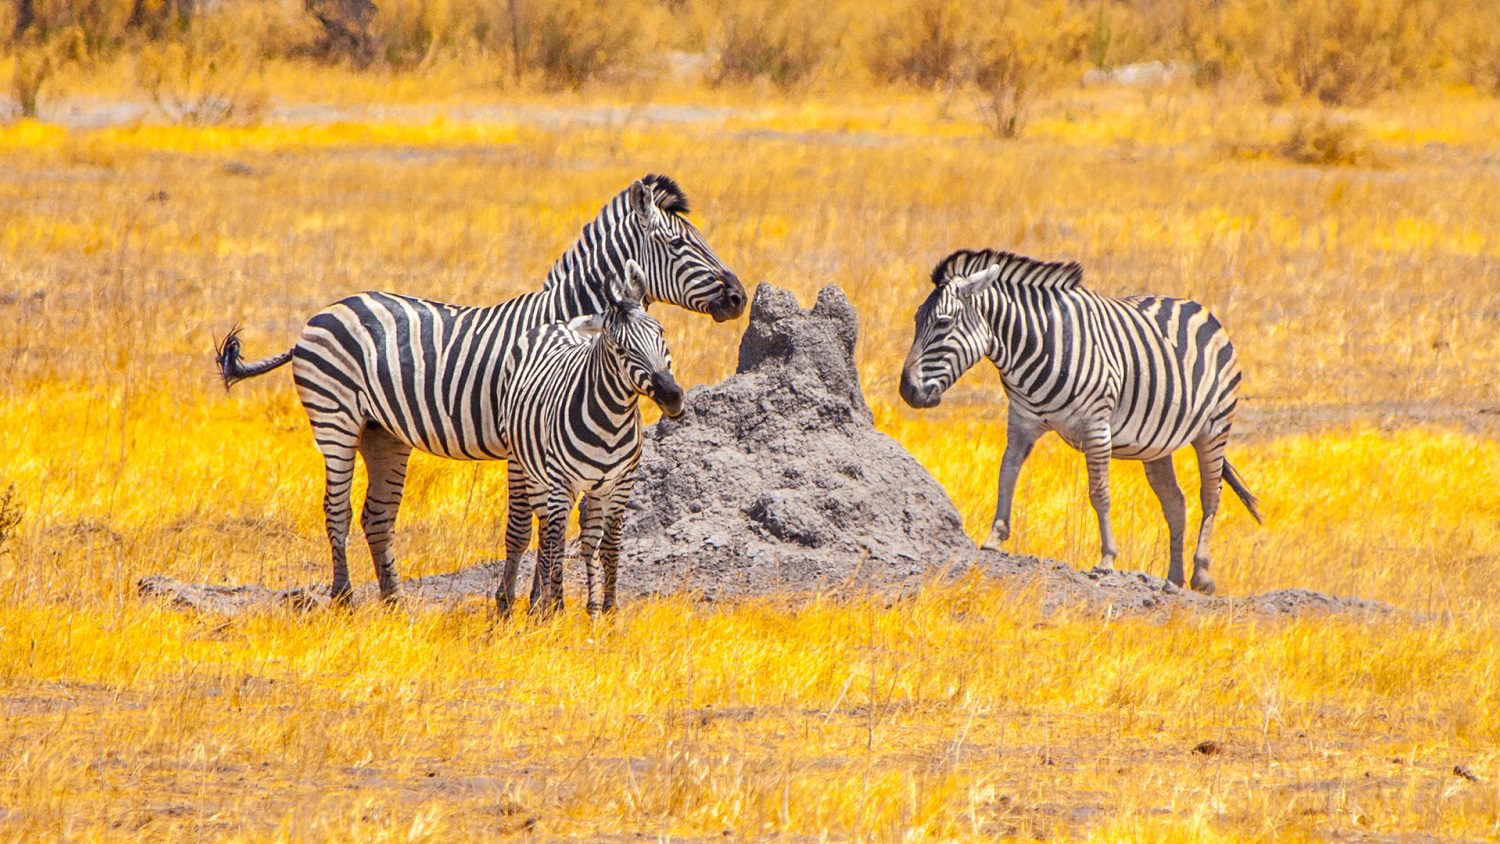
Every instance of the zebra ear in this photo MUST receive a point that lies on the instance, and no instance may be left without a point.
(642, 204)
(629, 291)
(977, 283)
(589, 326)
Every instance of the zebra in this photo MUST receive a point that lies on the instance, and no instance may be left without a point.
(381, 374)
(570, 415)
(1132, 379)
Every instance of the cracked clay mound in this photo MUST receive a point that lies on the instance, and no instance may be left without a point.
(777, 478)
(776, 481)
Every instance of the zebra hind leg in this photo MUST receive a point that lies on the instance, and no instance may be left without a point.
(385, 462)
(1210, 473)
(518, 524)
(1163, 480)
(338, 445)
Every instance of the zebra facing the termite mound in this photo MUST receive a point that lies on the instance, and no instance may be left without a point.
(1134, 379)
(381, 374)
(570, 415)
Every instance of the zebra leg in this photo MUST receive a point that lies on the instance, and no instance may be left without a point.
(1096, 451)
(338, 446)
(609, 549)
(1020, 437)
(591, 528)
(1211, 476)
(518, 522)
(1163, 479)
(385, 463)
(537, 497)
(554, 529)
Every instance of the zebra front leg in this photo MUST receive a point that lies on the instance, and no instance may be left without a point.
(609, 550)
(1021, 435)
(553, 531)
(338, 475)
(1210, 477)
(385, 463)
(591, 528)
(1097, 447)
(518, 522)
(1163, 480)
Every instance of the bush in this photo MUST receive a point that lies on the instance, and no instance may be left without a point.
(568, 43)
(1022, 52)
(10, 516)
(781, 41)
(925, 44)
(203, 80)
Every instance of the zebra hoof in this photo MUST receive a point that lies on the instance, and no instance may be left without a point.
(1203, 583)
(341, 596)
(996, 540)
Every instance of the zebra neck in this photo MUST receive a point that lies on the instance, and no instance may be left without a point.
(1021, 320)
(614, 401)
(582, 273)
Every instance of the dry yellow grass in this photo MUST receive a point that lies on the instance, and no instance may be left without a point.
(961, 714)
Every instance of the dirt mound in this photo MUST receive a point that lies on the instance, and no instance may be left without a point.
(777, 478)
(776, 481)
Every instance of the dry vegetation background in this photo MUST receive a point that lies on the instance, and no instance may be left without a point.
(1326, 176)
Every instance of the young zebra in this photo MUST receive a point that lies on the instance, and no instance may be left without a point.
(1133, 379)
(570, 415)
(381, 374)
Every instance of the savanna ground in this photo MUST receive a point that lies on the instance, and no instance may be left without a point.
(1364, 299)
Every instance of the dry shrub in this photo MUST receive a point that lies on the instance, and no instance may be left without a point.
(10, 516)
(1480, 55)
(1315, 137)
(1324, 139)
(925, 44)
(1022, 52)
(1338, 52)
(569, 43)
(780, 41)
(205, 79)
(35, 64)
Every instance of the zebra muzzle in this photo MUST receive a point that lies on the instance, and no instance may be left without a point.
(667, 394)
(919, 395)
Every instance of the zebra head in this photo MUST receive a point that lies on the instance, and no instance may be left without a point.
(951, 336)
(679, 266)
(637, 342)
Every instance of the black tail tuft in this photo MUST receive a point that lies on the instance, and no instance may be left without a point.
(232, 369)
(1237, 483)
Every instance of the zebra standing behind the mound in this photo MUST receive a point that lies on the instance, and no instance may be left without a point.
(1133, 379)
(570, 416)
(381, 374)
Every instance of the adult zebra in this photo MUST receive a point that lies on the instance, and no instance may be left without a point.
(1133, 379)
(381, 374)
(570, 415)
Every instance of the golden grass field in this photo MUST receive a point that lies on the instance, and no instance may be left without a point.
(1364, 301)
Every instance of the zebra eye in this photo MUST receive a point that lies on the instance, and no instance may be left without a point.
(677, 242)
(942, 320)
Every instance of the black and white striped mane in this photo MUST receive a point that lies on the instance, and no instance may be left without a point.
(669, 195)
(1014, 269)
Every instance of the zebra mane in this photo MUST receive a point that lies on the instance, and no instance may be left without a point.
(1014, 269)
(669, 195)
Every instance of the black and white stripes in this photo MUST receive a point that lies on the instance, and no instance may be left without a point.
(1133, 379)
(381, 374)
(570, 416)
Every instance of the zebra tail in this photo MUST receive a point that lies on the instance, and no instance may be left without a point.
(1237, 483)
(233, 370)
